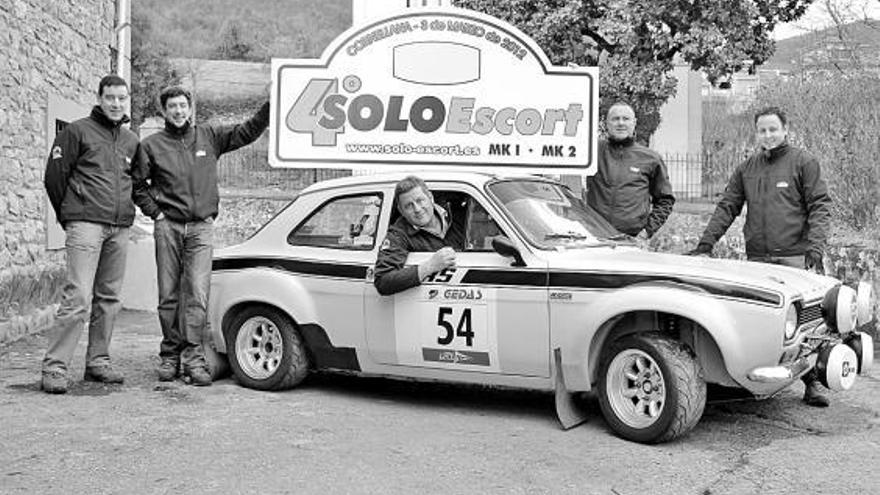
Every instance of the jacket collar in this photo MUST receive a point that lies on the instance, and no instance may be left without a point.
(100, 117)
(774, 153)
(177, 131)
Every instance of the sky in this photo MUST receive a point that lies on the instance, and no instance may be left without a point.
(817, 16)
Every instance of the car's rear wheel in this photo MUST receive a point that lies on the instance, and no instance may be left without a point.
(651, 389)
(266, 351)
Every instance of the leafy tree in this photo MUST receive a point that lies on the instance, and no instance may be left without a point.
(634, 42)
(150, 70)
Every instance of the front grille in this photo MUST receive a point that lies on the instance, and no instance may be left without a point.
(809, 314)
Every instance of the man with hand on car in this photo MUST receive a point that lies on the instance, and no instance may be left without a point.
(422, 226)
(631, 187)
(176, 186)
(789, 210)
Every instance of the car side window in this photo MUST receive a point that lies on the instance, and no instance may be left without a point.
(347, 222)
(478, 225)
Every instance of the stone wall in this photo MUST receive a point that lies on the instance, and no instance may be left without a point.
(60, 48)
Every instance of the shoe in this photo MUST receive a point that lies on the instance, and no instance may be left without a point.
(813, 398)
(199, 376)
(103, 374)
(54, 382)
(168, 370)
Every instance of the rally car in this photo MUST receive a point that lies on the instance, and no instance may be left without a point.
(545, 295)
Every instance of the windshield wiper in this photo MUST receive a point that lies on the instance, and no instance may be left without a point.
(619, 237)
(567, 235)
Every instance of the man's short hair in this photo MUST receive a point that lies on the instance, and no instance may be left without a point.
(110, 80)
(174, 92)
(772, 111)
(406, 185)
(619, 103)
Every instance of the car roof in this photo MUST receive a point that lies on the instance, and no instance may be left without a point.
(475, 178)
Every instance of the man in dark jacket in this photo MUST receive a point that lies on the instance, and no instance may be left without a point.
(422, 226)
(88, 181)
(631, 187)
(176, 186)
(789, 210)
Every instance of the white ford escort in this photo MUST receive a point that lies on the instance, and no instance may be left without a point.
(545, 295)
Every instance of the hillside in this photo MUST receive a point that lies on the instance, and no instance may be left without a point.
(264, 28)
(792, 52)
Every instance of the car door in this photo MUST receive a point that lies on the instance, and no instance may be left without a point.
(331, 250)
(481, 316)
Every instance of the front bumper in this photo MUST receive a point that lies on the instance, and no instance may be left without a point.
(782, 374)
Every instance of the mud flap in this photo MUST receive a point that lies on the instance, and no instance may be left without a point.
(218, 365)
(569, 413)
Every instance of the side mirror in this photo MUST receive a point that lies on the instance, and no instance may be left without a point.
(503, 246)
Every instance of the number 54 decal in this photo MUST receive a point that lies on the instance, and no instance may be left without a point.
(463, 328)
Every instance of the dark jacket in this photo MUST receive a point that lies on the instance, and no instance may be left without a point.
(178, 173)
(88, 174)
(391, 275)
(789, 210)
(631, 188)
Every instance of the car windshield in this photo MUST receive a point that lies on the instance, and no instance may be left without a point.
(551, 216)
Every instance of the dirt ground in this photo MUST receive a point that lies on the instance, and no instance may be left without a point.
(342, 434)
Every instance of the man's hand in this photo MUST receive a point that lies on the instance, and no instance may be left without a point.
(813, 261)
(443, 258)
(702, 249)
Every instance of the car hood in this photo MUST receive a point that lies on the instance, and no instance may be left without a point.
(786, 280)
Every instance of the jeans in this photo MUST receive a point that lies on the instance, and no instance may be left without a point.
(95, 269)
(183, 263)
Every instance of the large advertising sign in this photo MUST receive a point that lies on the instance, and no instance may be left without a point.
(449, 88)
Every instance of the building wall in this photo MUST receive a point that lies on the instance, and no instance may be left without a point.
(58, 48)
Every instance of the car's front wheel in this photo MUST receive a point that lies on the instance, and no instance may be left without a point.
(265, 350)
(651, 389)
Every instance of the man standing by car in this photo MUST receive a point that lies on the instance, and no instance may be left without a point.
(422, 226)
(176, 186)
(789, 210)
(631, 187)
(88, 181)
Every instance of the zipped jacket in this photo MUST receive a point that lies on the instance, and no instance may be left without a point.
(392, 274)
(178, 172)
(631, 188)
(789, 209)
(88, 173)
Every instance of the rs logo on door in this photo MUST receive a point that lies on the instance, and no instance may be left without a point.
(443, 276)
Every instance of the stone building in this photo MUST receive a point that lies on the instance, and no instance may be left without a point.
(52, 55)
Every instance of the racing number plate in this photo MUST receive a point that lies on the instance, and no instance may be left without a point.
(448, 327)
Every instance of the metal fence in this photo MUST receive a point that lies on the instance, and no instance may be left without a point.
(694, 177)
(700, 177)
(248, 170)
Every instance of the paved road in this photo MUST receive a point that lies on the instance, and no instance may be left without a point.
(338, 435)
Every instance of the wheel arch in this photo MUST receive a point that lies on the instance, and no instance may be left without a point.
(261, 287)
(620, 312)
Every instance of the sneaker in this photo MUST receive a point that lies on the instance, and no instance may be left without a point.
(54, 382)
(168, 370)
(812, 397)
(104, 374)
(199, 376)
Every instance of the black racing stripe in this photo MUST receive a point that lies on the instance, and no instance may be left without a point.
(294, 266)
(618, 281)
(583, 280)
(505, 277)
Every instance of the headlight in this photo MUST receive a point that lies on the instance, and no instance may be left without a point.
(791, 322)
(865, 301)
(840, 308)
